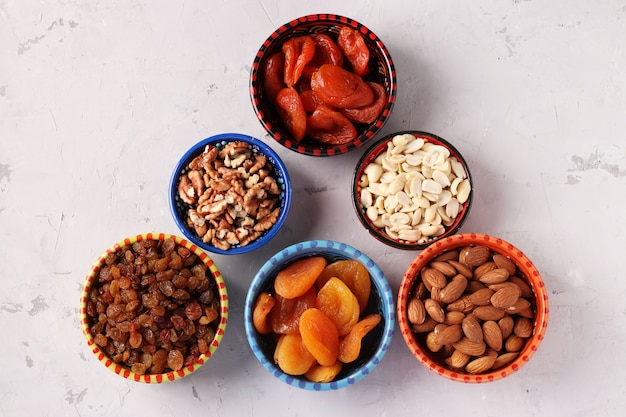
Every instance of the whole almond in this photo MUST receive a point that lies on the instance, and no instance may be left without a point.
(471, 329)
(433, 278)
(449, 335)
(494, 276)
(527, 312)
(470, 347)
(435, 293)
(504, 358)
(488, 313)
(447, 255)
(504, 262)
(523, 327)
(434, 310)
(475, 255)
(453, 290)
(443, 267)
(481, 297)
(458, 359)
(482, 269)
(506, 326)
(463, 305)
(505, 297)
(427, 326)
(431, 342)
(480, 365)
(473, 286)
(506, 284)
(514, 343)
(492, 335)
(519, 305)
(527, 292)
(462, 269)
(416, 311)
(454, 317)
(420, 291)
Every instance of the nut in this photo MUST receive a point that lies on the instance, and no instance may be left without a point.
(434, 310)
(450, 334)
(481, 297)
(470, 347)
(504, 262)
(505, 297)
(471, 329)
(480, 365)
(492, 335)
(416, 311)
(523, 327)
(453, 290)
(495, 276)
(488, 313)
(433, 278)
(476, 255)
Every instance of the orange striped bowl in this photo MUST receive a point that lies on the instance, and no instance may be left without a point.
(124, 371)
(525, 269)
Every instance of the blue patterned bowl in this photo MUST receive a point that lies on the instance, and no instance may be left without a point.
(374, 345)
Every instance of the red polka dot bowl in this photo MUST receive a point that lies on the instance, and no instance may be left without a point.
(380, 70)
(174, 308)
(423, 337)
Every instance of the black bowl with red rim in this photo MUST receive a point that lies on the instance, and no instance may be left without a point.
(381, 71)
(386, 208)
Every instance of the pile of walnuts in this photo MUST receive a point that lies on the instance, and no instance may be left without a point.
(231, 194)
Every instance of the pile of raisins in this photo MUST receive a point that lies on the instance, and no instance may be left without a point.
(153, 307)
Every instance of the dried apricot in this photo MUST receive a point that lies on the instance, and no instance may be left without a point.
(353, 274)
(350, 346)
(262, 308)
(338, 303)
(286, 312)
(319, 335)
(292, 356)
(340, 88)
(321, 373)
(298, 277)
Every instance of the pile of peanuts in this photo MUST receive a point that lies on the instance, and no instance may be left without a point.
(472, 309)
(414, 190)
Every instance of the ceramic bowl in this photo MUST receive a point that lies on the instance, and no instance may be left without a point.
(392, 190)
(520, 349)
(139, 329)
(381, 71)
(374, 345)
(227, 201)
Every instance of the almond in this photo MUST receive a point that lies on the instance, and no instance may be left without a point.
(431, 342)
(443, 267)
(504, 262)
(434, 310)
(451, 334)
(420, 291)
(520, 305)
(462, 269)
(427, 326)
(492, 335)
(415, 310)
(454, 317)
(527, 292)
(453, 290)
(469, 347)
(523, 327)
(482, 269)
(458, 359)
(514, 343)
(463, 305)
(473, 286)
(488, 313)
(480, 365)
(447, 255)
(475, 255)
(506, 326)
(507, 283)
(504, 358)
(471, 329)
(433, 278)
(505, 297)
(527, 312)
(495, 276)
(481, 297)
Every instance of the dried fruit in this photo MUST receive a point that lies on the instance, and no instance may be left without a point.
(298, 277)
(262, 307)
(350, 345)
(320, 336)
(338, 303)
(353, 274)
(292, 356)
(323, 374)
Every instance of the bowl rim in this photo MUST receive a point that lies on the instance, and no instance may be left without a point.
(308, 248)
(523, 263)
(373, 128)
(378, 147)
(279, 167)
(167, 376)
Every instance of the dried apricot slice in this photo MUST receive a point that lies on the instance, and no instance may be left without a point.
(298, 277)
(263, 306)
(286, 312)
(292, 356)
(353, 274)
(320, 336)
(350, 346)
(321, 373)
(338, 303)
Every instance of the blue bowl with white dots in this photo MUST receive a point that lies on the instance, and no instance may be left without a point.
(381, 301)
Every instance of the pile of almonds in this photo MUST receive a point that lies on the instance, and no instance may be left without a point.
(472, 309)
